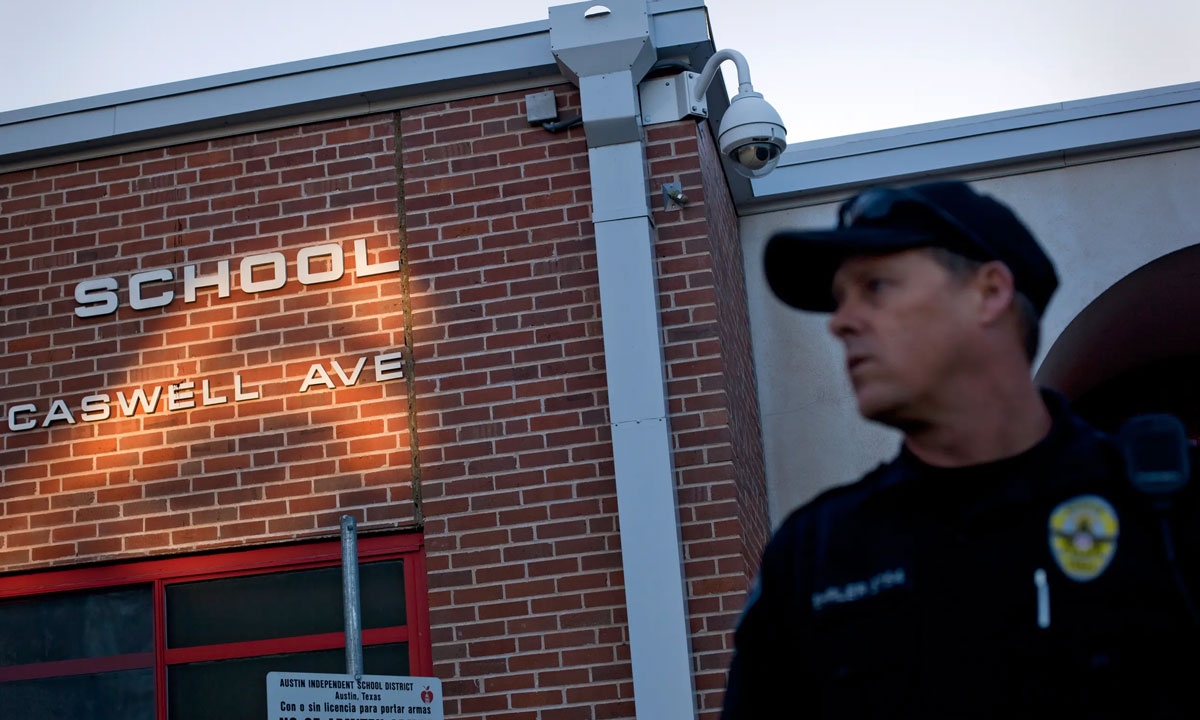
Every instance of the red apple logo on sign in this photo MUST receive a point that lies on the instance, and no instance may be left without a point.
(426, 695)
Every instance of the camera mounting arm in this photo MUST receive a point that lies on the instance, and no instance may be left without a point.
(710, 71)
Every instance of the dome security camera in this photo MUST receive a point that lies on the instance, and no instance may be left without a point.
(752, 135)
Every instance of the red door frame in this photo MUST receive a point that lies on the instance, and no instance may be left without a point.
(161, 572)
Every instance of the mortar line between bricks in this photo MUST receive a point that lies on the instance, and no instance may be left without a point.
(406, 304)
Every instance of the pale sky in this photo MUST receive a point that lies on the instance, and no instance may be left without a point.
(831, 68)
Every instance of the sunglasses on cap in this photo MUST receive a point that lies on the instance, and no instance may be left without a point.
(877, 205)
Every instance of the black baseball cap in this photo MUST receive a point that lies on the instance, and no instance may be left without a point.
(800, 263)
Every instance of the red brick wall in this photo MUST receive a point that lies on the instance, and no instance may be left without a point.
(526, 594)
(712, 396)
(524, 559)
(737, 354)
(284, 465)
(520, 519)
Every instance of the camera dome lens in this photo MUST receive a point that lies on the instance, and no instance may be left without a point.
(756, 155)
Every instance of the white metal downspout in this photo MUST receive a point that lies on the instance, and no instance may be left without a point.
(655, 594)
(608, 58)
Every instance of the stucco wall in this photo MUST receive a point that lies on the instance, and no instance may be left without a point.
(1099, 222)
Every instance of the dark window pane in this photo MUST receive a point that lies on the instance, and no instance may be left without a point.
(382, 594)
(76, 625)
(122, 695)
(243, 682)
(276, 605)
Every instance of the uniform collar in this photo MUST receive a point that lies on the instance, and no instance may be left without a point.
(909, 472)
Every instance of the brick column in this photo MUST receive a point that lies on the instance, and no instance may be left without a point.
(712, 395)
(526, 596)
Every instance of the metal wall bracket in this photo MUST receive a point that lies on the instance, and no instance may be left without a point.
(673, 197)
(671, 98)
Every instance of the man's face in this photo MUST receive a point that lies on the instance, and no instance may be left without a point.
(906, 325)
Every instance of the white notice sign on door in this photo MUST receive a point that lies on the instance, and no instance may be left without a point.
(327, 696)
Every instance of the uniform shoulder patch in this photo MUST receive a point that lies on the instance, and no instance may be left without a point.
(1083, 536)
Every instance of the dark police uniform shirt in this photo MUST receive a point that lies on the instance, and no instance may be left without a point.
(915, 593)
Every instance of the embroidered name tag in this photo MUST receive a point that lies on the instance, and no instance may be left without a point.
(855, 591)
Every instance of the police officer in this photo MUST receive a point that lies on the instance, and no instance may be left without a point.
(1002, 565)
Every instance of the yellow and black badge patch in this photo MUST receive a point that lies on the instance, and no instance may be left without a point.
(1083, 536)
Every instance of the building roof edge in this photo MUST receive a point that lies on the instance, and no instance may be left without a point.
(1064, 129)
(362, 81)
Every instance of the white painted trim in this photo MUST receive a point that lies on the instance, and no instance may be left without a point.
(1057, 134)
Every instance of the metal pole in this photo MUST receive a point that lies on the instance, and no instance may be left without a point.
(350, 596)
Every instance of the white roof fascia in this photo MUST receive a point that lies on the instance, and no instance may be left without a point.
(379, 79)
(1055, 133)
